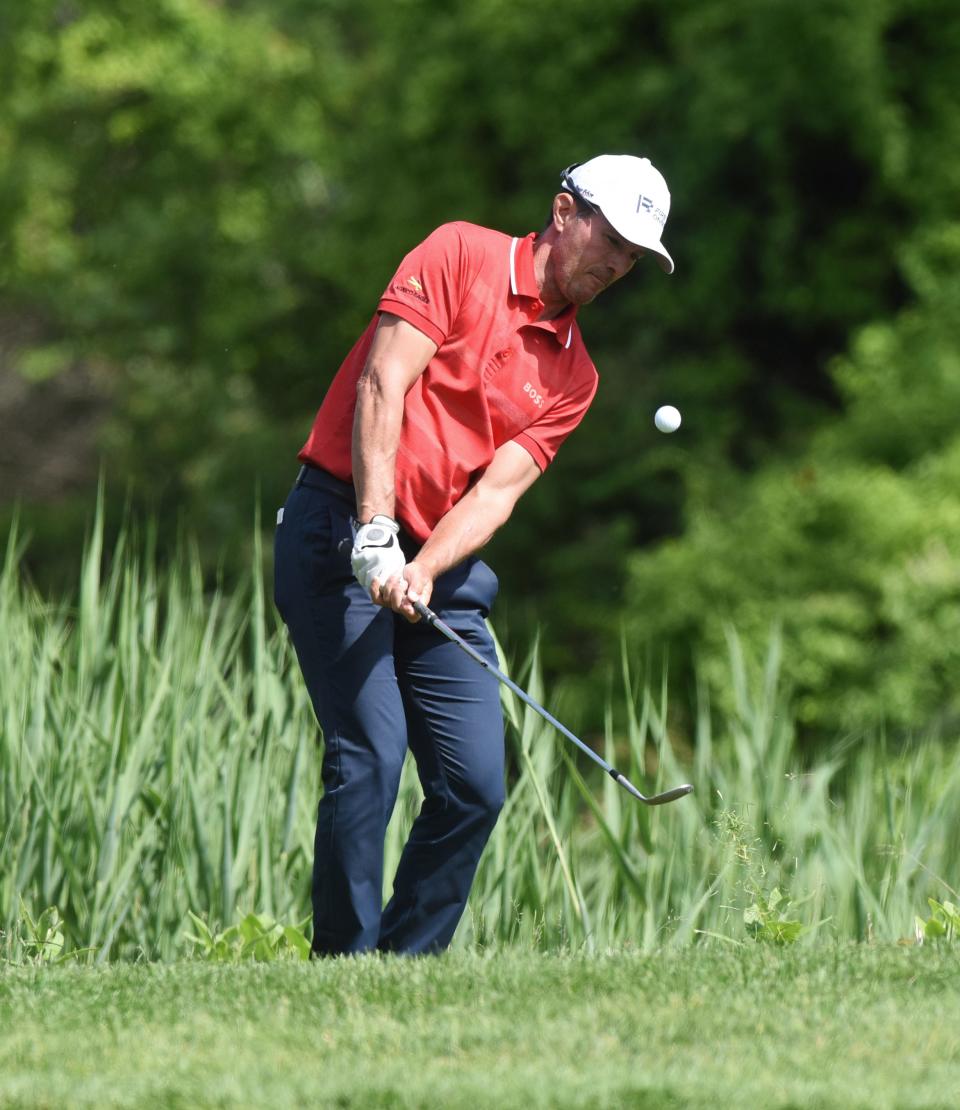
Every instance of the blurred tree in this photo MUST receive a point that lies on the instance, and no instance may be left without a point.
(852, 543)
(202, 202)
(170, 177)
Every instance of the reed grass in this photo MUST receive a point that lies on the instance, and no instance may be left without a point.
(158, 755)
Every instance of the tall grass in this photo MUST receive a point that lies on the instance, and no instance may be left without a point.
(155, 753)
(158, 754)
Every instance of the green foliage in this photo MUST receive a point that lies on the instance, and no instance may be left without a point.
(151, 760)
(37, 941)
(201, 203)
(44, 940)
(256, 936)
(157, 759)
(168, 190)
(763, 916)
(168, 159)
(766, 905)
(943, 922)
(850, 547)
(848, 542)
(765, 923)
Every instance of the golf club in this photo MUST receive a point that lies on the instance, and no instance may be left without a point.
(648, 800)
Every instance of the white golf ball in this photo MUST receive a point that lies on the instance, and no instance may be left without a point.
(667, 418)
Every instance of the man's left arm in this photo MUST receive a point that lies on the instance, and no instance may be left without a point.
(469, 525)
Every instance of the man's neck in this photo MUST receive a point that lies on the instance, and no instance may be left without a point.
(554, 303)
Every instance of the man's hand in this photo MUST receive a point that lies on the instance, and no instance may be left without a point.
(376, 554)
(400, 592)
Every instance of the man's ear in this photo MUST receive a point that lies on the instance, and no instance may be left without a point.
(564, 210)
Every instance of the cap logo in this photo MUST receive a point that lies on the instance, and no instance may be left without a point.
(645, 204)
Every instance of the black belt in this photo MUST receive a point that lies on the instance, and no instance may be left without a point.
(315, 478)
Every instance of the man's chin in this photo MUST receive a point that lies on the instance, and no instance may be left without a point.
(582, 293)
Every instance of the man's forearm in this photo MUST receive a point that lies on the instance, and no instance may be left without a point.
(466, 528)
(472, 522)
(398, 356)
(376, 435)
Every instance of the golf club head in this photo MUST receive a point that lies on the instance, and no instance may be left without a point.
(432, 619)
(654, 799)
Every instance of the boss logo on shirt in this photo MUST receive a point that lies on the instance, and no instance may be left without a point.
(536, 397)
(413, 287)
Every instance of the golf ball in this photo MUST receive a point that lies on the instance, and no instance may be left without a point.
(667, 418)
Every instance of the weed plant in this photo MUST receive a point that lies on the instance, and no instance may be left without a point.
(159, 757)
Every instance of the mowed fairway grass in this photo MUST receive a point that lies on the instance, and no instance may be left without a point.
(824, 1026)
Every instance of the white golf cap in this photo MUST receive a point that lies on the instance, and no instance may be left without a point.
(632, 195)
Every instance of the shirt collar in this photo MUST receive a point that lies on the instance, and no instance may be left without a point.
(523, 283)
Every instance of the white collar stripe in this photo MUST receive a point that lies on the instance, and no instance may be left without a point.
(566, 345)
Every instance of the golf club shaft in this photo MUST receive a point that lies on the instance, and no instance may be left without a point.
(655, 800)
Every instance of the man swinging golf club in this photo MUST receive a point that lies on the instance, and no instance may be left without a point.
(451, 404)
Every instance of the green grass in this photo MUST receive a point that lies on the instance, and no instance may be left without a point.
(836, 1026)
(158, 755)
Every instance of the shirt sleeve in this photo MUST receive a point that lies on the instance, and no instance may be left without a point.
(542, 439)
(427, 288)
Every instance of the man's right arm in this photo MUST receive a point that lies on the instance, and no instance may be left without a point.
(398, 356)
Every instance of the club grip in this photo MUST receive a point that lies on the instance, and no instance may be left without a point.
(425, 612)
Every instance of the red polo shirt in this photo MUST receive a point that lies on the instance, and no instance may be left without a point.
(498, 375)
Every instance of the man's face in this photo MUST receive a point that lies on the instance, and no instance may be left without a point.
(589, 256)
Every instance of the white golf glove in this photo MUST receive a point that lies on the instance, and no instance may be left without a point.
(376, 551)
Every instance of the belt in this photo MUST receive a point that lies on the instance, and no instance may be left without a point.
(315, 478)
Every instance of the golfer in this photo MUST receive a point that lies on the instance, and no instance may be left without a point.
(451, 404)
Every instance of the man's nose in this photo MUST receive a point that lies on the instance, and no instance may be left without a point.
(627, 260)
(622, 264)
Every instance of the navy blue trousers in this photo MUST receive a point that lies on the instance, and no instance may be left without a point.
(379, 685)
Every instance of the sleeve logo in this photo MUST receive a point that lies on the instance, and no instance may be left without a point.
(412, 287)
